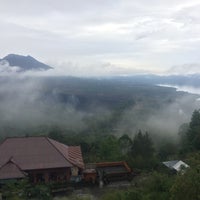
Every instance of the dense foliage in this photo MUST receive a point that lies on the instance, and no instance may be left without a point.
(140, 152)
(23, 189)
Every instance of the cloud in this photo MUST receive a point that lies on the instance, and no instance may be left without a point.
(90, 68)
(185, 69)
(6, 69)
(160, 33)
(163, 121)
(30, 105)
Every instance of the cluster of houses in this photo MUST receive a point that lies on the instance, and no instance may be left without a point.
(42, 159)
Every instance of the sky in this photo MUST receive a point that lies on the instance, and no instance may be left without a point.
(104, 37)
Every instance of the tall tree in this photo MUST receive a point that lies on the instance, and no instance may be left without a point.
(187, 186)
(193, 134)
(125, 144)
(142, 145)
(142, 152)
(109, 149)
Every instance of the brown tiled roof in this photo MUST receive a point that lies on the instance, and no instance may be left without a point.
(11, 170)
(114, 166)
(72, 153)
(75, 156)
(36, 153)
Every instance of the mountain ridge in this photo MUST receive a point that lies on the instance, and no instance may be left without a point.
(25, 63)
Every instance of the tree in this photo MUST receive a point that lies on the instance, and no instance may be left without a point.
(193, 134)
(183, 130)
(142, 152)
(142, 145)
(122, 195)
(56, 134)
(167, 150)
(157, 186)
(109, 148)
(23, 190)
(187, 186)
(14, 190)
(125, 144)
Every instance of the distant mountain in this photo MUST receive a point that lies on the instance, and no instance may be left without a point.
(181, 80)
(25, 63)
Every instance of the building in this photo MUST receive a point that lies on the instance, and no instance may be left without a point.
(39, 158)
(107, 172)
(176, 165)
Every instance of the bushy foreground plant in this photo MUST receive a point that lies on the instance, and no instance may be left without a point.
(23, 190)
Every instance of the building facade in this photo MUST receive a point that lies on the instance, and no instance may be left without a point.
(41, 159)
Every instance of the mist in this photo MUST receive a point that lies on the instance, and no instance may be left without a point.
(163, 122)
(28, 105)
(184, 88)
(36, 104)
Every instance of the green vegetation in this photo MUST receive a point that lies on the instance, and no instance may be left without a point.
(155, 186)
(154, 182)
(21, 190)
(187, 186)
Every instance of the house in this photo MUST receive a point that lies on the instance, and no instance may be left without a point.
(39, 158)
(176, 165)
(107, 172)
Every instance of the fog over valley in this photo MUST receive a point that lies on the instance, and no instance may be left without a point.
(36, 105)
(184, 88)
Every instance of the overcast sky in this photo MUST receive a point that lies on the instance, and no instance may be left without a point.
(104, 37)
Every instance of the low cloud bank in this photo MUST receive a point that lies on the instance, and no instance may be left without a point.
(185, 69)
(28, 105)
(164, 121)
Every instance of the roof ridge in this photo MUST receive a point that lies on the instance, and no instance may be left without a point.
(12, 160)
(21, 137)
(29, 136)
(49, 140)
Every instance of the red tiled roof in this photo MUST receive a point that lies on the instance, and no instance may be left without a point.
(75, 156)
(36, 153)
(72, 153)
(120, 164)
(11, 170)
